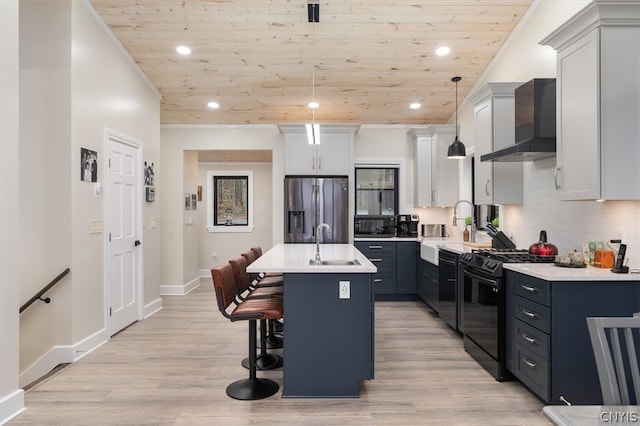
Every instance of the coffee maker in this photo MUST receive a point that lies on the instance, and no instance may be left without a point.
(407, 225)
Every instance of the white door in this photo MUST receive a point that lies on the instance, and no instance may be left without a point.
(124, 253)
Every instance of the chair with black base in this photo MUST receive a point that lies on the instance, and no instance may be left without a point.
(248, 310)
(614, 342)
(265, 360)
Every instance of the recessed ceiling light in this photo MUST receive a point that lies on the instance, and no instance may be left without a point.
(442, 51)
(313, 105)
(415, 105)
(213, 105)
(183, 50)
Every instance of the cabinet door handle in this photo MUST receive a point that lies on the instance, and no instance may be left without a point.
(375, 247)
(433, 195)
(529, 339)
(529, 288)
(529, 313)
(319, 163)
(486, 187)
(529, 363)
(375, 260)
(555, 178)
(377, 280)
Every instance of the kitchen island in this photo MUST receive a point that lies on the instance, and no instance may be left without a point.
(329, 318)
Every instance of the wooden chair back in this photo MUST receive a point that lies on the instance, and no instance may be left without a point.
(614, 343)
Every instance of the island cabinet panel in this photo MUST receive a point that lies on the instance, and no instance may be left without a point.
(329, 343)
(548, 347)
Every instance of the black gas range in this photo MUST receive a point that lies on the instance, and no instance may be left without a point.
(484, 304)
(490, 260)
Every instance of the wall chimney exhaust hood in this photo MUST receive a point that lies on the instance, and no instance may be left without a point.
(535, 122)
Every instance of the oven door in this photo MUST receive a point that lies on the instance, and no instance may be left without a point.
(482, 311)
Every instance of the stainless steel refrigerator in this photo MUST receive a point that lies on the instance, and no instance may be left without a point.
(310, 201)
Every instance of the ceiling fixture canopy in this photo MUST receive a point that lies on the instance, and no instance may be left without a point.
(456, 150)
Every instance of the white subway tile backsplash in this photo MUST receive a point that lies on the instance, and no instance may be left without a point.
(569, 223)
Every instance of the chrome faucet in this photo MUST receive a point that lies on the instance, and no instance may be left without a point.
(473, 224)
(317, 260)
(455, 208)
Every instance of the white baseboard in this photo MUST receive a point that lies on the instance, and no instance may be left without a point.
(204, 273)
(152, 308)
(11, 406)
(179, 290)
(47, 362)
(90, 343)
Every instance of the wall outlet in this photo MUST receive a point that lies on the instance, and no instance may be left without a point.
(345, 290)
(214, 255)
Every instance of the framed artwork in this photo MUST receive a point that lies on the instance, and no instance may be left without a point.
(229, 201)
(88, 165)
(199, 193)
(187, 201)
(149, 174)
(193, 202)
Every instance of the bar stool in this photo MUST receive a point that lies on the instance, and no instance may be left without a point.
(265, 279)
(265, 361)
(249, 310)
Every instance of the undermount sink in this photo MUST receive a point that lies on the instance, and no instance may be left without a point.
(338, 262)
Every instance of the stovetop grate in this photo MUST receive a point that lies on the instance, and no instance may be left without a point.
(513, 256)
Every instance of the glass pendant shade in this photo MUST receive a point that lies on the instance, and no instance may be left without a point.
(313, 133)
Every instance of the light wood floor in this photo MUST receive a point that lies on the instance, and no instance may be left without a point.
(172, 369)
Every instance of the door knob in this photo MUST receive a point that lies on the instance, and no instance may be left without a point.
(137, 243)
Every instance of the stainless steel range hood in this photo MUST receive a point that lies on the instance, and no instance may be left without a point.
(535, 123)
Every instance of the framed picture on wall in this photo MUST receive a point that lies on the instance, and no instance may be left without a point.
(88, 165)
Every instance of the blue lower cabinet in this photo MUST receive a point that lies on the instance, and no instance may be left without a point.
(548, 347)
(428, 283)
(397, 266)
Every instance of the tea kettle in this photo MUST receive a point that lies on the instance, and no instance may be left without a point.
(542, 247)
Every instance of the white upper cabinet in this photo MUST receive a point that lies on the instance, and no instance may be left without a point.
(495, 182)
(598, 102)
(436, 177)
(332, 156)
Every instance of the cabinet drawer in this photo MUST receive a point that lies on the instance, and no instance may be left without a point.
(373, 247)
(533, 371)
(533, 314)
(384, 283)
(532, 288)
(385, 262)
(532, 339)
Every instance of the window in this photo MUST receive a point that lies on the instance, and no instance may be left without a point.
(230, 201)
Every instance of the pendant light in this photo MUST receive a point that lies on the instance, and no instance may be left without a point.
(456, 150)
(313, 129)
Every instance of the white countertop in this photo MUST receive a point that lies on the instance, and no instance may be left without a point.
(295, 258)
(416, 239)
(550, 272)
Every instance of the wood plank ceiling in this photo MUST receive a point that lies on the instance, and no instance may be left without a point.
(256, 58)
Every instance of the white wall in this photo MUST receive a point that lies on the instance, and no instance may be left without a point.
(227, 245)
(568, 224)
(11, 398)
(175, 272)
(75, 82)
(45, 174)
